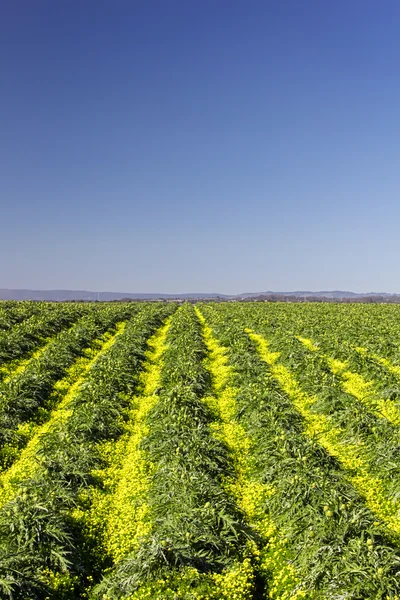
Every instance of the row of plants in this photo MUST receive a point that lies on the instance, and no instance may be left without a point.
(13, 311)
(376, 327)
(44, 550)
(24, 337)
(366, 443)
(203, 462)
(64, 392)
(273, 571)
(172, 527)
(368, 367)
(367, 391)
(364, 338)
(27, 399)
(350, 453)
(118, 512)
(320, 525)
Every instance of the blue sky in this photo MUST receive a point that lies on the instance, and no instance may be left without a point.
(200, 146)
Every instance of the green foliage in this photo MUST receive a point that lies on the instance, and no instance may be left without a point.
(13, 311)
(337, 545)
(34, 539)
(26, 335)
(199, 543)
(67, 457)
(195, 521)
(25, 397)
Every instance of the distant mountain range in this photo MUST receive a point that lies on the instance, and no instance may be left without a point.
(70, 295)
(63, 295)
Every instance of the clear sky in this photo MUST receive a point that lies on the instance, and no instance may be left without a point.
(200, 145)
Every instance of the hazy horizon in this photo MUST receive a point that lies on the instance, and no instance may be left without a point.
(197, 293)
(226, 146)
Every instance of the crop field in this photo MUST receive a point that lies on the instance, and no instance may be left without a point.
(239, 451)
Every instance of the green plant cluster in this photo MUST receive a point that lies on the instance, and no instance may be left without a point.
(197, 529)
(228, 452)
(377, 438)
(337, 545)
(43, 549)
(27, 396)
(27, 335)
(376, 330)
(14, 311)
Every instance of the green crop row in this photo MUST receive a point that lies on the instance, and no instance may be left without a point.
(189, 538)
(354, 426)
(227, 451)
(335, 544)
(13, 312)
(24, 337)
(44, 552)
(26, 398)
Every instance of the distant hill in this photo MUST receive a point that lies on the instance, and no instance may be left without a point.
(71, 295)
(64, 295)
(328, 294)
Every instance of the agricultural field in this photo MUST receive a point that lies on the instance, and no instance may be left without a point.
(218, 451)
